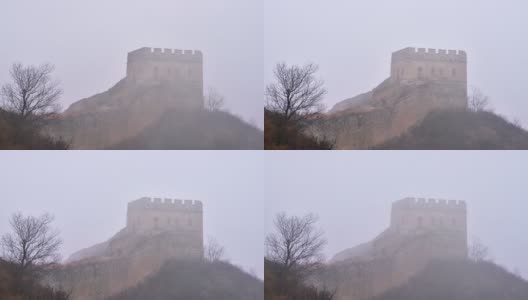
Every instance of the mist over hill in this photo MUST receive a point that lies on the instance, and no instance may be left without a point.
(197, 280)
(461, 280)
(196, 130)
(461, 130)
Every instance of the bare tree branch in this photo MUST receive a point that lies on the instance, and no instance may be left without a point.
(297, 244)
(478, 251)
(213, 100)
(296, 92)
(32, 243)
(32, 91)
(477, 101)
(214, 251)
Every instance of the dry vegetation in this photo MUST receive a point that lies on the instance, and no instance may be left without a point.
(278, 136)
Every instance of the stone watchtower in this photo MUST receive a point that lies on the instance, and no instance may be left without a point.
(444, 219)
(179, 69)
(446, 69)
(182, 217)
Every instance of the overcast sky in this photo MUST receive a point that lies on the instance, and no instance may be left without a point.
(88, 42)
(352, 192)
(352, 42)
(88, 192)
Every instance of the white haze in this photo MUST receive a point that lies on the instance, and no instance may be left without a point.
(88, 192)
(352, 192)
(88, 42)
(352, 42)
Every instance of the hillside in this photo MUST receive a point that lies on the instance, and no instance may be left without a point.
(461, 130)
(121, 262)
(196, 280)
(457, 280)
(385, 113)
(151, 116)
(195, 130)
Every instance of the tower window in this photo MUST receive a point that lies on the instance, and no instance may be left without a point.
(420, 222)
(453, 72)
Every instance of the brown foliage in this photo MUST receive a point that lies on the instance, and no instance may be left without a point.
(14, 286)
(280, 285)
(18, 133)
(280, 134)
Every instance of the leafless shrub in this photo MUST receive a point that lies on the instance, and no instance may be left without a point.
(213, 251)
(477, 101)
(213, 100)
(478, 251)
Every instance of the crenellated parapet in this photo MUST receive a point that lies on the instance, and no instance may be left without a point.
(426, 204)
(446, 68)
(158, 214)
(166, 204)
(429, 54)
(411, 214)
(165, 54)
(179, 70)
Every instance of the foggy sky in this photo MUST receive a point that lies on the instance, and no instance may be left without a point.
(88, 42)
(88, 192)
(352, 42)
(352, 192)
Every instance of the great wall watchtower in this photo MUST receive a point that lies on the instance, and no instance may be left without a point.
(173, 67)
(429, 64)
(446, 217)
(446, 69)
(184, 217)
(421, 231)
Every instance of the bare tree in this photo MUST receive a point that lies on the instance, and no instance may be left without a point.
(517, 123)
(213, 100)
(477, 101)
(32, 92)
(478, 251)
(33, 242)
(297, 244)
(214, 251)
(297, 93)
